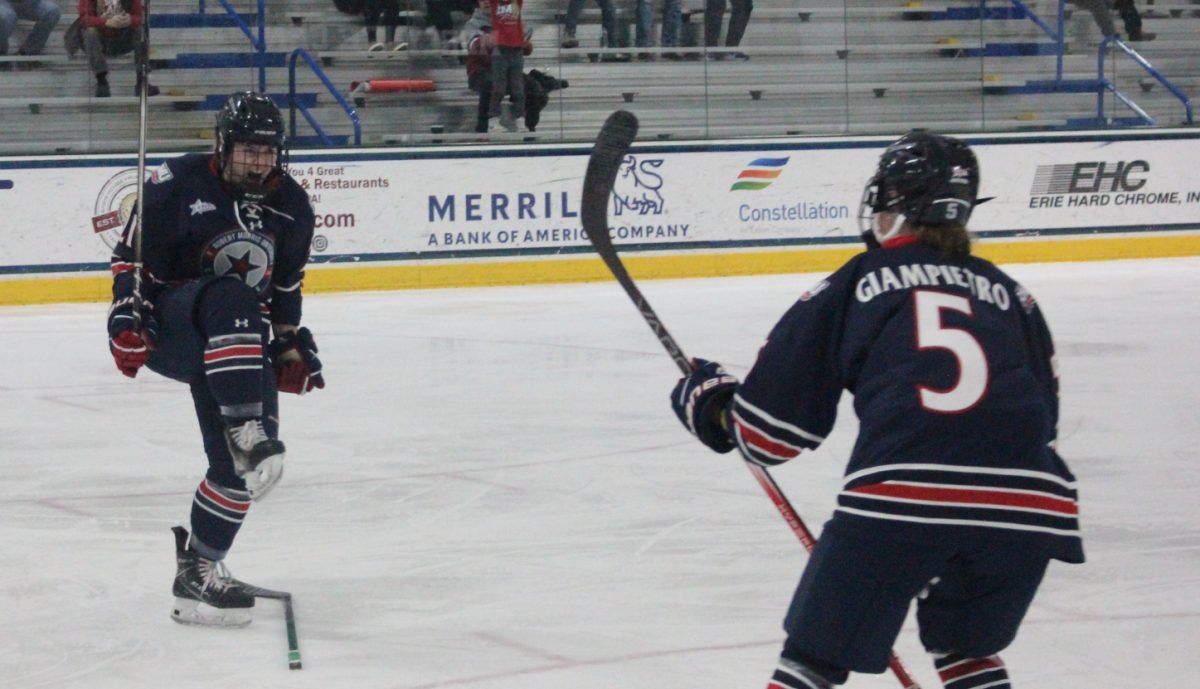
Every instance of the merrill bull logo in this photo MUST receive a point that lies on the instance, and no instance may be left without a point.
(637, 187)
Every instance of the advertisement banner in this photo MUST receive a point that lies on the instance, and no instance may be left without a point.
(65, 214)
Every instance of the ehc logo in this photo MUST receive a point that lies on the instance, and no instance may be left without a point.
(1090, 177)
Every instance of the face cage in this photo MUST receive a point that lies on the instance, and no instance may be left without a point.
(225, 150)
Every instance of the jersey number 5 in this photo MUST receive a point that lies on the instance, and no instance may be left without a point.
(972, 364)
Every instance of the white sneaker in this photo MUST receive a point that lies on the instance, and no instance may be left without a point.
(519, 123)
(400, 47)
(375, 48)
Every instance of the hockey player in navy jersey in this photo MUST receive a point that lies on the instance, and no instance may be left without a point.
(226, 239)
(954, 494)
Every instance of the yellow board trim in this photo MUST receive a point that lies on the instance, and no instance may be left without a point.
(486, 273)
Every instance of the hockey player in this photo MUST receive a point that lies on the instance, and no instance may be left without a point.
(954, 494)
(226, 239)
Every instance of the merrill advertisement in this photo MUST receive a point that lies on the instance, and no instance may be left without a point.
(66, 213)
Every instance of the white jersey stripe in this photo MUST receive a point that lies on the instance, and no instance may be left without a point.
(1026, 473)
(738, 399)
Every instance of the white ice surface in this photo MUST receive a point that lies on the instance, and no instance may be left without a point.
(492, 493)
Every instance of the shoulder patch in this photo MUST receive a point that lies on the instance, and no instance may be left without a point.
(161, 174)
(814, 290)
(1026, 299)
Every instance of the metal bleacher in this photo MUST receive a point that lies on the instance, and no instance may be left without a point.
(814, 67)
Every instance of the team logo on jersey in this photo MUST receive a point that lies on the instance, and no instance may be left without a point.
(638, 187)
(248, 255)
(201, 206)
(759, 174)
(814, 290)
(114, 205)
(161, 174)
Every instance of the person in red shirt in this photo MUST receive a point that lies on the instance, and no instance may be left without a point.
(510, 45)
(110, 28)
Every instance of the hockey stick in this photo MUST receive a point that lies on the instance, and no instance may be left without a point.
(289, 620)
(143, 73)
(612, 144)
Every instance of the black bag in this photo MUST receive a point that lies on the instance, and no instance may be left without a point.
(349, 6)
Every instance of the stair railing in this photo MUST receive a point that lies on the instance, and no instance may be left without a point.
(1145, 65)
(294, 104)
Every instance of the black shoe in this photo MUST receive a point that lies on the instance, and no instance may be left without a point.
(570, 42)
(204, 591)
(151, 90)
(102, 89)
(1143, 36)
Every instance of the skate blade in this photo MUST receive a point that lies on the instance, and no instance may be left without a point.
(187, 611)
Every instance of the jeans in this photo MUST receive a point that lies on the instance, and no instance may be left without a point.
(508, 76)
(100, 45)
(44, 15)
(739, 17)
(672, 19)
(608, 18)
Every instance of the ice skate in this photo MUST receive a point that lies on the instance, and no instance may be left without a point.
(205, 593)
(257, 458)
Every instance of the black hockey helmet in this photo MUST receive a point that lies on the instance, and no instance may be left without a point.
(928, 178)
(250, 117)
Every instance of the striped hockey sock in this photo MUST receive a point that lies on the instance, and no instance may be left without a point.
(234, 365)
(790, 674)
(217, 515)
(957, 672)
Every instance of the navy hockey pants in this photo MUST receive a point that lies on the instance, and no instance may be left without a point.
(854, 594)
(179, 354)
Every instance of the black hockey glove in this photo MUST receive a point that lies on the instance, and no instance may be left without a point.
(296, 374)
(132, 332)
(700, 399)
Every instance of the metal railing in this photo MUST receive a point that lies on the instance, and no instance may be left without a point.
(294, 104)
(259, 44)
(1145, 65)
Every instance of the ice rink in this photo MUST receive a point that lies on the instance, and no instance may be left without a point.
(493, 493)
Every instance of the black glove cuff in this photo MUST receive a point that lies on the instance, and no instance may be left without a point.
(709, 427)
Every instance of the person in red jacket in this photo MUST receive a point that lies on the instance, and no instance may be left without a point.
(110, 28)
(510, 45)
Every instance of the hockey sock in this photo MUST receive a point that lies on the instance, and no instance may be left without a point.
(217, 514)
(798, 670)
(958, 672)
(229, 315)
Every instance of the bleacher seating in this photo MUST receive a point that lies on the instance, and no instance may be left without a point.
(815, 67)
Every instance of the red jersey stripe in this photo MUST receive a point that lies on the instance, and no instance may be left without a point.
(760, 441)
(978, 496)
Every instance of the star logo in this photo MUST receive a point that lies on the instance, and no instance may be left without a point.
(243, 265)
(201, 206)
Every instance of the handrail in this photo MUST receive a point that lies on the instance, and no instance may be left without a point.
(293, 105)
(1144, 64)
(259, 44)
(1059, 36)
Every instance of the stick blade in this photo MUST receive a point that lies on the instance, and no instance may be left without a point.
(612, 144)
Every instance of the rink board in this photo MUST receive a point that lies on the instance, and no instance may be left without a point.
(419, 218)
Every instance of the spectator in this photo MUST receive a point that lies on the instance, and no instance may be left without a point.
(389, 12)
(672, 21)
(480, 80)
(1129, 16)
(441, 22)
(111, 28)
(510, 46)
(739, 17)
(44, 15)
(608, 23)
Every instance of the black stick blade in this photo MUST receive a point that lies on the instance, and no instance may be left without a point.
(612, 144)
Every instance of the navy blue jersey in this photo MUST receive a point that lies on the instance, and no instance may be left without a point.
(195, 228)
(952, 370)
